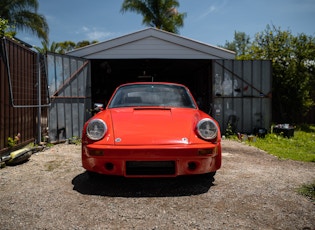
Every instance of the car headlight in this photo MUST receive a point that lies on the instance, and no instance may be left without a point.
(207, 129)
(96, 129)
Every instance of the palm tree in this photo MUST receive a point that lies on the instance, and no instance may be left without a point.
(22, 14)
(62, 47)
(54, 47)
(161, 14)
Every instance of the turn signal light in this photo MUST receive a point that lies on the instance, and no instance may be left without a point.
(204, 152)
(96, 152)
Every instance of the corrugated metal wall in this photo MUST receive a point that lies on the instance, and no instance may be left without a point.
(19, 93)
(70, 92)
(242, 94)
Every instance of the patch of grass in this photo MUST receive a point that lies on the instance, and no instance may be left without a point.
(49, 145)
(301, 147)
(52, 165)
(75, 140)
(308, 190)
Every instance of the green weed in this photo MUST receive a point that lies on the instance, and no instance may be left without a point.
(308, 190)
(301, 147)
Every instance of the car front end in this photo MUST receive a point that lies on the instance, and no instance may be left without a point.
(157, 140)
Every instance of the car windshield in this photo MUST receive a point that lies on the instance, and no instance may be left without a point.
(139, 95)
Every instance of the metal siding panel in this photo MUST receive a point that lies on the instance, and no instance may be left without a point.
(237, 109)
(218, 111)
(247, 115)
(257, 78)
(256, 113)
(58, 72)
(66, 68)
(153, 46)
(51, 70)
(4, 99)
(237, 81)
(266, 77)
(74, 87)
(61, 123)
(52, 121)
(266, 110)
(73, 65)
(247, 77)
(251, 109)
(227, 111)
(70, 97)
(69, 121)
(99, 50)
(81, 117)
(149, 55)
(75, 118)
(81, 84)
(217, 79)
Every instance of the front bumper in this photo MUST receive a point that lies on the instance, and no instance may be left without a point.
(151, 161)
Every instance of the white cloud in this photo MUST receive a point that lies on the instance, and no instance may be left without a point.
(94, 33)
(208, 11)
(217, 6)
(98, 35)
(85, 29)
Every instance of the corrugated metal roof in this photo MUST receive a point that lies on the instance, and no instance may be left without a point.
(152, 43)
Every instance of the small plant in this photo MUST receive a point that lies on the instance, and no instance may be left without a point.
(75, 140)
(49, 145)
(13, 141)
(229, 131)
(308, 190)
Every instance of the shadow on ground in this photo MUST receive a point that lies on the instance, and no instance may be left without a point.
(141, 187)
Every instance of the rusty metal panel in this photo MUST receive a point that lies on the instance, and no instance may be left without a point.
(18, 93)
(242, 94)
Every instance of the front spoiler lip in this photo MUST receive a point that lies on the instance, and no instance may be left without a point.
(207, 145)
(153, 151)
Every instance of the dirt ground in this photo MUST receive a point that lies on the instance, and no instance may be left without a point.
(252, 190)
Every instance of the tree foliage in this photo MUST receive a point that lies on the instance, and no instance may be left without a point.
(22, 15)
(293, 68)
(62, 47)
(161, 14)
(5, 29)
(240, 45)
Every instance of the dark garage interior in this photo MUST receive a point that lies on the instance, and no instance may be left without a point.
(106, 75)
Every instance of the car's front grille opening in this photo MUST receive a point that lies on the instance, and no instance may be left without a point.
(150, 167)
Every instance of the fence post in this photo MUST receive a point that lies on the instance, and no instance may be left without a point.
(39, 114)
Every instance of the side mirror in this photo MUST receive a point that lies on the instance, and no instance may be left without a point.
(98, 107)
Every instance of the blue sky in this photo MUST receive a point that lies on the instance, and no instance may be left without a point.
(208, 21)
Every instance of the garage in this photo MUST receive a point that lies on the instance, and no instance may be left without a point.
(90, 74)
(151, 55)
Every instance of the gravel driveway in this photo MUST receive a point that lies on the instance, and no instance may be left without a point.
(252, 190)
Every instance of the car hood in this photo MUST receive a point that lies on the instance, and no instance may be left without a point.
(147, 126)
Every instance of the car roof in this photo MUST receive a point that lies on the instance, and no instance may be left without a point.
(152, 83)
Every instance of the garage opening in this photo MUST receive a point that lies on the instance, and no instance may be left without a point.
(106, 75)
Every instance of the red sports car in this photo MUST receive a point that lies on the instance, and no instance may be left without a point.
(151, 129)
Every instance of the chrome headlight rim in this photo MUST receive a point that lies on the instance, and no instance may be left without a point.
(202, 132)
(98, 134)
